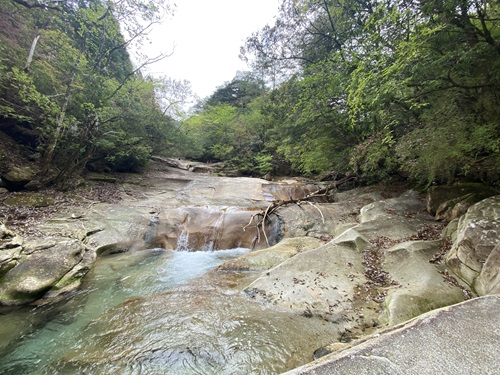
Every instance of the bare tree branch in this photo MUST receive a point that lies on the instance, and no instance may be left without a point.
(36, 4)
(265, 213)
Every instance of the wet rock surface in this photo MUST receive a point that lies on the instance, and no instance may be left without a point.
(164, 207)
(218, 332)
(40, 266)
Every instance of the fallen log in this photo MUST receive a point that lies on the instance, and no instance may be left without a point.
(265, 213)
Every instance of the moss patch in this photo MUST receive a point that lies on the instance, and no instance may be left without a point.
(29, 200)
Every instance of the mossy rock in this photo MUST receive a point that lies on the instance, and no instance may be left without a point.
(101, 177)
(35, 200)
(17, 177)
(43, 268)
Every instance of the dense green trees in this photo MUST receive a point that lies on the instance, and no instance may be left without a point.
(229, 126)
(382, 88)
(69, 87)
(365, 87)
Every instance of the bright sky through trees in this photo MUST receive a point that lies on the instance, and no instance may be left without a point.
(206, 37)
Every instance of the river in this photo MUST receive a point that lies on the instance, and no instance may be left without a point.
(154, 312)
(160, 311)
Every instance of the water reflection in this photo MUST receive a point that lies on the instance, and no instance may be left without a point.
(152, 312)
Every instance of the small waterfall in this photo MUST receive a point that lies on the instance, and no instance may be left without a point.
(212, 228)
(183, 242)
(215, 235)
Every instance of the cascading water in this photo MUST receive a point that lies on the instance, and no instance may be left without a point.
(153, 312)
(214, 235)
(164, 311)
(183, 242)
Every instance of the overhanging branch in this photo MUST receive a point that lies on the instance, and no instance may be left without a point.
(37, 5)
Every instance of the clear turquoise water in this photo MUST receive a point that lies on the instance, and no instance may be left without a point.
(153, 312)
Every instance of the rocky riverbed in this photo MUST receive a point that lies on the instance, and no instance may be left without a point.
(365, 261)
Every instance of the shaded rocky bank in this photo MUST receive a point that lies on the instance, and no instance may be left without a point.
(363, 260)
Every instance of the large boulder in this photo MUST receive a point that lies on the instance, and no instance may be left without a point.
(395, 218)
(325, 220)
(322, 282)
(369, 275)
(421, 287)
(478, 233)
(72, 280)
(17, 177)
(437, 195)
(488, 281)
(320, 221)
(43, 264)
(456, 207)
(459, 339)
(407, 204)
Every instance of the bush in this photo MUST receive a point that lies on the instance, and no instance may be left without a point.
(374, 158)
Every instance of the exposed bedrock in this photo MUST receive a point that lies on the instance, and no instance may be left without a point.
(43, 268)
(475, 256)
(164, 207)
(458, 339)
(381, 264)
(210, 228)
(375, 271)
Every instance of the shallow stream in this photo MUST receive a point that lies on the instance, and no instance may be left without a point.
(158, 312)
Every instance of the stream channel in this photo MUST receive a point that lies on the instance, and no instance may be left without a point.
(158, 311)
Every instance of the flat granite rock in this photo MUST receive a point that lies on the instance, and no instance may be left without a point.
(458, 339)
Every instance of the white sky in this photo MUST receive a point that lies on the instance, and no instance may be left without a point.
(207, 35)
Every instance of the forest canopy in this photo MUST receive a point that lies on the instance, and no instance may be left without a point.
(70, 90)
(366, 88)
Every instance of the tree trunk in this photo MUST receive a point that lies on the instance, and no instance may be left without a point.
(49, 153)
(75, 163)
(32, 52)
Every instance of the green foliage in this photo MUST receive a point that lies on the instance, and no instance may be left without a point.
(264, 163)
(374, 158)
(311, 119)
(383, 88)
(228, 133)
(238, 93)
(371, 88)
(23, 102)
(456, 148)
(123, 154)
(81, 99)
